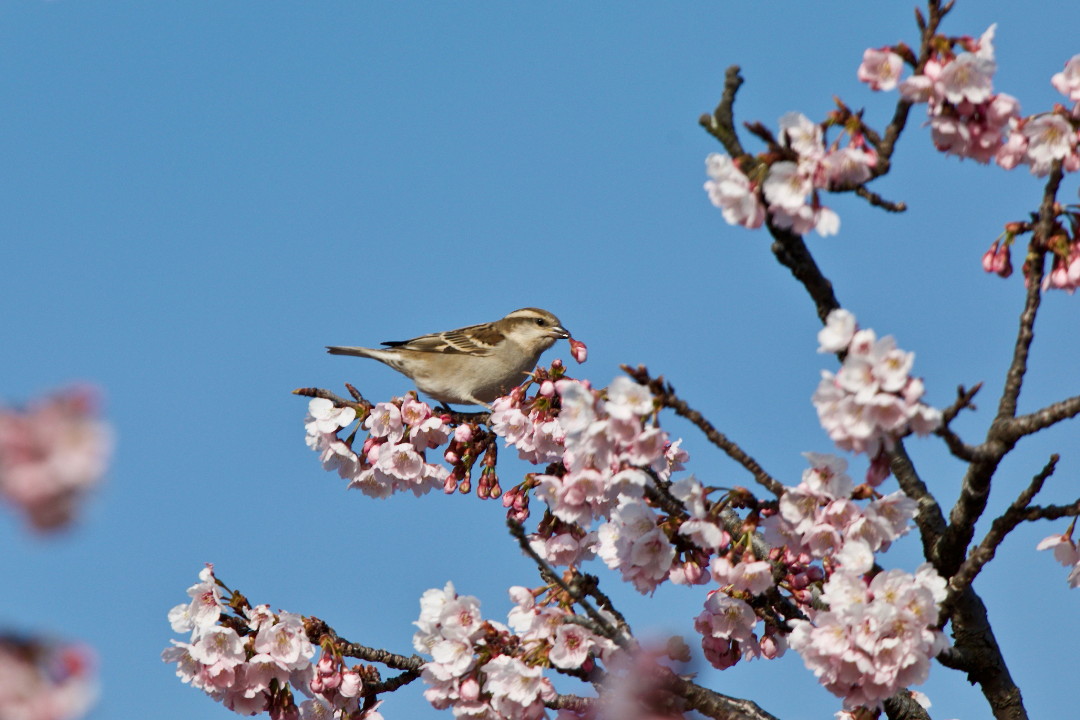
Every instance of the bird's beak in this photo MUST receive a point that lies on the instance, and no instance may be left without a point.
(559, 332)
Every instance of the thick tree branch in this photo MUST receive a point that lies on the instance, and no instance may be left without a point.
(999, 529)
(791, 252)
(903, 706)
(1002, 435)
(929, 519)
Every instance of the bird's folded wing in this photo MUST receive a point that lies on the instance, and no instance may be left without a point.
(475, 340)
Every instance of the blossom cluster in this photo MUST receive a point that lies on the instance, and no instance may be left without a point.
(1063, 245)
(878, 633)
(873, 400)
(51, 455)
(968, 119)
(483, 669)
(608, 453)
(727, 626)
(40, 680)
(788, 191)
(820, 518)
(816, 528)
(393, 457)
(248, 662)
(1065, 552)
(876, 637)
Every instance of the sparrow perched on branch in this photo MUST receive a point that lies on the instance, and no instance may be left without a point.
(471, 365)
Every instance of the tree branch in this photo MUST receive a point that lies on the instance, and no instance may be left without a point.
(665, 393)
(620, 634)
(721, 124)
(1044, 418)
(999, 529)
(903, 706)
(1014, 378)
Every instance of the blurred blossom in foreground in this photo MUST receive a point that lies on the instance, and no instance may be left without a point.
(51, 454)
(41, 681)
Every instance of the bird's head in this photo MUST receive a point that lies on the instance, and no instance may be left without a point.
(533, 328)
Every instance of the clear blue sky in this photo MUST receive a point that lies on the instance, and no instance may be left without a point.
(198, 196)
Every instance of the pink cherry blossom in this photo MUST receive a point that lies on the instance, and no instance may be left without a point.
(52, 454)
(731, 191)
(872, 400)
(1049, 137)
(880, 68)
(802, 135)
(1067, 82)
(41, 680)
(876, 637)
(1066, 553)
(571, 647)
(324, 417)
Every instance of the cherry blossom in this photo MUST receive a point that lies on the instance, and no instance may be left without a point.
(872, 401)
(876, 637)
(731, 191)
(1067, 82)
(52, 454)
(1066, 553)
(880, 68)
(45, 680)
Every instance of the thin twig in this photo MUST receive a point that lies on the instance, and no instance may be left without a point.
(361, 406)
(721, 124)
(665, 393)
(621, 634)
(1044, 418)
(1014, 377)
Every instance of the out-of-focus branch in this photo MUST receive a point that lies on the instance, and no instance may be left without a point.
(665, 393)
(714, 705)
(877, 201)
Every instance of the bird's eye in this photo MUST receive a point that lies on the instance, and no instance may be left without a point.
(541, 322)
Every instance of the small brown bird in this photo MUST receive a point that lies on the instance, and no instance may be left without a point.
(471, 365)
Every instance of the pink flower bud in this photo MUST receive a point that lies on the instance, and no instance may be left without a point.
(547, 389)
(770, 648)
(1003, 262)
(578, 350)
(463, 433)
(469, 689)
(351, 684)
(988, 258)
(693, 573)
(451, 457)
